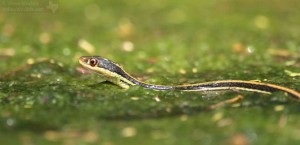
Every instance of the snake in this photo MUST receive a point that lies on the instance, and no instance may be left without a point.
(115, 74)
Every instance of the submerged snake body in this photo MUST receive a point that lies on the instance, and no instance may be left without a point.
(115, 74)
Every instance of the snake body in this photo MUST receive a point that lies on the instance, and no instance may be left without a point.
(117, 75)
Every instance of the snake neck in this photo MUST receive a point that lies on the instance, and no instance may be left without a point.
(131, 81)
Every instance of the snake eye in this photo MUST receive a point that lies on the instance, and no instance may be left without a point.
(93, 62)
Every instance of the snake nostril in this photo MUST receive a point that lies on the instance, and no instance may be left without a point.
(83, 59)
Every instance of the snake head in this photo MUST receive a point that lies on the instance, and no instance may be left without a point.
(99, 64)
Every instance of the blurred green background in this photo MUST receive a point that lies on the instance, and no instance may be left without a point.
(46, 99)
